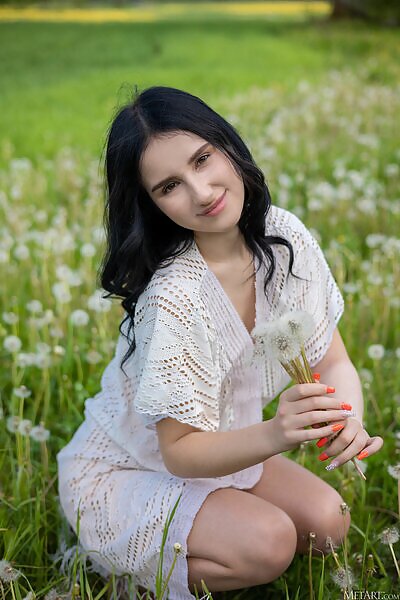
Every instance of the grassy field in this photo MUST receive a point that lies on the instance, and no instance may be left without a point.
(318, 104)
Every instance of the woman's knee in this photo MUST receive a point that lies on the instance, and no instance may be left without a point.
(273, 550)
(332, 522)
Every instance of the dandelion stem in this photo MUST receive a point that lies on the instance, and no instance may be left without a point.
(395, 560)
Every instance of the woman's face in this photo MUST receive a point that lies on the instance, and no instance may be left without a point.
(185, 175)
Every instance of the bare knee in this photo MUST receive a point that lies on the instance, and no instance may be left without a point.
(331, 523)
(273, 550)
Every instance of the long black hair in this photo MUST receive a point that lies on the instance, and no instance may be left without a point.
(140, 237)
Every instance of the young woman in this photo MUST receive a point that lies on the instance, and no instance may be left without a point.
(199, 256)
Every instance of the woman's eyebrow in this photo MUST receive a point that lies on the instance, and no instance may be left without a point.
(191, 159)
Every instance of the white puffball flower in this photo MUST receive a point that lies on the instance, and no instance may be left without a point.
(24, 427)
(10, 318)
(4, 258)
(277, 342)
(93, 357)
(59, 350)
(39, 433)
(62, 292)
(97, 303)
(12, 344)
(300, 323)
(34, 306)
(88, 250)
(394, 471)
(390, 535)
(376, 351)
(343, 578)
(7, 572)
(21, 252)
(29, 596)
(22, 392)
(397, 352)
(12, 423)
(79, 317)
(26, 359)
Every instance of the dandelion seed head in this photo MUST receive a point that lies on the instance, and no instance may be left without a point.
(93, 357)
(10, 318)
(22, 392)
(300, 324)
(79, 317)
(12, 423)
(29, 596)
(12, 344)
(24, 427)
(394, 471)
(7, 571)
(376, 351)
(34, 306)
(39, 433)
(390, 535)
(343, 578)
(344, 508)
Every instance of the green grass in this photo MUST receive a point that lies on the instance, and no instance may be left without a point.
(318, 105)
(61, 82)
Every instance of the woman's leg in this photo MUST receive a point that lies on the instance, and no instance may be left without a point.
(311, 503)
(238, 540)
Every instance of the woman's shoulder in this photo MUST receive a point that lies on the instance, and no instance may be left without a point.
(175, 287)
(281, 221)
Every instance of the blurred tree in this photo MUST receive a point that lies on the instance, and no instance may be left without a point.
(383, 11)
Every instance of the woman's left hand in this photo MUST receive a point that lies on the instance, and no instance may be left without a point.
(352, 441)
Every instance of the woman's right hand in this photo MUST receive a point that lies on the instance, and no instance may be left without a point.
(299, 407)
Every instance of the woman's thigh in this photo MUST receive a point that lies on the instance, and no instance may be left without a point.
(247, 536)
(311, 503)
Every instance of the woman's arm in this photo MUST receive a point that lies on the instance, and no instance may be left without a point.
(338, 371)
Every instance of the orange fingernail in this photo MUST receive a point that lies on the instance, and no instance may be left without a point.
(363, 454)
(337, 427)
(317, 376)
(322, 442)
(330, 390)
(323, 456)
(345, 406)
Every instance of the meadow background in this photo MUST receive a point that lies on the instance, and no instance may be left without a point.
(318, 103)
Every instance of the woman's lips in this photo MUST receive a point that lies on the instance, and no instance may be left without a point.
(217, 209)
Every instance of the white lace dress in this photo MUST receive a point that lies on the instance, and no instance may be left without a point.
(195, 362)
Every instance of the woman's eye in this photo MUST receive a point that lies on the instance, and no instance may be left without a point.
(168, 188)
(202, 156)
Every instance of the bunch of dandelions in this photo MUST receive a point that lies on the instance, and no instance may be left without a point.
(284, 340)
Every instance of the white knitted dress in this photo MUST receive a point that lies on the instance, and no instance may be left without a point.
(193, 362)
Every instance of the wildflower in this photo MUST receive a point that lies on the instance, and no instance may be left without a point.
(21, 252)
(59, 350)
(29, 596)
(43, 348)
(88, 250)
(390, 535)
(397, 352)
(79, 317)
(12, 423)
(22, 392)
(343, 578)
(10, 318)
(93, 357)
(26, 359)
(97, 303)
(39, 433)
(177, 547)
(376, 351)
(12, 344)
(62, 292)
(366, 375)
(394, 471)
(24, 427)
(344, 508)
(7, 571)
(34, 306)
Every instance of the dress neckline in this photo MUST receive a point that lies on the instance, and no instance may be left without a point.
(241, 327)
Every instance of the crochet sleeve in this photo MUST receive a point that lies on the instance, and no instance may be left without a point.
(317, 292)
(173, 367)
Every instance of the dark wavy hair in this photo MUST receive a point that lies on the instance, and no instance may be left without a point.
(140, 237)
